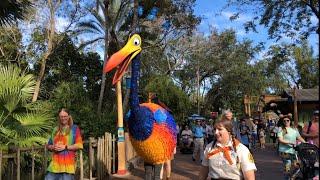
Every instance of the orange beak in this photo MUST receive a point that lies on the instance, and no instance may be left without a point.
(123, 57)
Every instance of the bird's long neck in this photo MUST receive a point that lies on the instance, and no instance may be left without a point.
(134, 98)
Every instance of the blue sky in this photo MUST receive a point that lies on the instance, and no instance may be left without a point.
(208, 10)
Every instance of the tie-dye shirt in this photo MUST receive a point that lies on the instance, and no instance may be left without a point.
(65, 161)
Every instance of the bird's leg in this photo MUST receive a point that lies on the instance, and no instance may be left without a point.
(148, 171)
(157, 171)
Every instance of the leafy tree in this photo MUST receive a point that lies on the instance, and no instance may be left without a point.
(12, 10)
(11, 48)
(307, 66)
(66, 64)
(21, 123)
(157, 21)
(170, 94)
(114, 13)
(282, 18)
(50, 10)
(73, 96)
(302, 70)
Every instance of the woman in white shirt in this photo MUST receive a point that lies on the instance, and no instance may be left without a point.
(226, 157)
(187, 135)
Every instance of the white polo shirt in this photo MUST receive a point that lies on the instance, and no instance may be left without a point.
(219, 167)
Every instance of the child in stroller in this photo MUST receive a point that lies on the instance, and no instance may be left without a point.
(186, 141)
(308, 162)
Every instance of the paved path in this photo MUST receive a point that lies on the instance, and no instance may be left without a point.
(268, 164)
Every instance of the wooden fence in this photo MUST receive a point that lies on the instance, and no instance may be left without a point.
(100, 155)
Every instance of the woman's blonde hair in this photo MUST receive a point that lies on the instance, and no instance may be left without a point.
(70, 121)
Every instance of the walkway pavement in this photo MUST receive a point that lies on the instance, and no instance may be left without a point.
(268, 164)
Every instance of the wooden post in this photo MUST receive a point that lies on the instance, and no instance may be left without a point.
(32, 163)
(113, 154)
(81, 165)
(107, 159)
(110, 152)
(295, 107)
(249, 106)
(99, 158)
(121, 145)
(18, 163)
(0, 164)
(245, 102)
(91, 155)
(45, 159)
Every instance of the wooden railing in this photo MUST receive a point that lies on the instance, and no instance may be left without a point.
(101, 155)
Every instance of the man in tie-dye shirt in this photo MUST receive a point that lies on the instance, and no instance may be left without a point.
(64, 142)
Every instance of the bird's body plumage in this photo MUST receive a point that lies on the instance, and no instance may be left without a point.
(154, 138)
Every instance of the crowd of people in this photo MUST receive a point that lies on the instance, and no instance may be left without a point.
(252, 134)
(223, 147)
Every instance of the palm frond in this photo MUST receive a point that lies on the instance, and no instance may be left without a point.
(11, 10)
(32, 124)
(89, 27)
(89, 42)
(99, 19)
(21, 122)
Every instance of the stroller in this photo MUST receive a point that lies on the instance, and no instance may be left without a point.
(308, 162)
(184, 149)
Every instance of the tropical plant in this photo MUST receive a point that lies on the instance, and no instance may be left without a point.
(21, 122)
(11, 10)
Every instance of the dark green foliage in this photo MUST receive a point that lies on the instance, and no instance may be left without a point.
(170, 94)
(73, 96)
(12, 10)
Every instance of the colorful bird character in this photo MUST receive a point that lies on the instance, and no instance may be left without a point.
(152, 128)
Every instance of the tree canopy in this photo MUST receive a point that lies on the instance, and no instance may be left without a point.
(288, 18)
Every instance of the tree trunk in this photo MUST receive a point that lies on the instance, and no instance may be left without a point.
(106, 43)
(49, 51)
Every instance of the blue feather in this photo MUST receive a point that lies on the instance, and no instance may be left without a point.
(159, 116)
(141, 123)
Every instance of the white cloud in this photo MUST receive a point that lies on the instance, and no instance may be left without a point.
(61, 23)
(314, 20)
(240, 32)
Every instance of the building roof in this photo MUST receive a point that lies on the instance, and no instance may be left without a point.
(304, 94)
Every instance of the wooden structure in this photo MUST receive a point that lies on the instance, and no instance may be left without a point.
(300, 102)
(251, 105)
(101, 156)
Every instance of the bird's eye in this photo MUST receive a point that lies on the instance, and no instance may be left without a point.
(136, 42)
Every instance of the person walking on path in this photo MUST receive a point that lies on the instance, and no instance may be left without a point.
(311, 129)
(198, 133)
(244, 133)
(262, 138)
(287, 137)
(227, 114)
(254, 134)
(64, 141)
(226, 157)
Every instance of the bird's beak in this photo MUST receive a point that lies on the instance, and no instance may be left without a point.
(123, 57)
